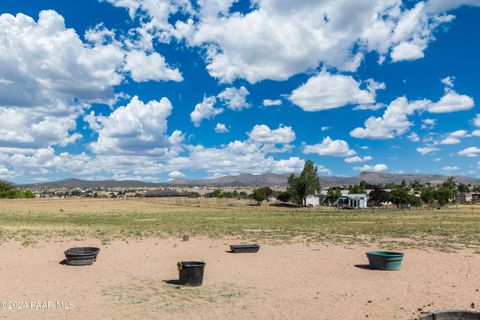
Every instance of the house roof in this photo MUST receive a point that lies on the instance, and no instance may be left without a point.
(357, 195)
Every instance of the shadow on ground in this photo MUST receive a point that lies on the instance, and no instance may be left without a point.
(364, 267)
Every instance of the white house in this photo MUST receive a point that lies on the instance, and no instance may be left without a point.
(357, 201)
(312, 201)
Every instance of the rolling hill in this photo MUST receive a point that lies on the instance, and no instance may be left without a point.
(251, 180)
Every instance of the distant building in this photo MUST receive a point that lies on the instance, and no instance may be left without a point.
(312, 201)
(464, 197)
(475, 197)
(357, 201)
(345, 193)
(353, 201)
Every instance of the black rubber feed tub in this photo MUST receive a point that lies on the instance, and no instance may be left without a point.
(191, 273)
(81, 256)
(451, 315)
(245, 248)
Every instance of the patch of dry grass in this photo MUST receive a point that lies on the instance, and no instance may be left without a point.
(443, 229)
(173, 298)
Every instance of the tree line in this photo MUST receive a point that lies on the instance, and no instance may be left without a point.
(8, 191)
(308, 183)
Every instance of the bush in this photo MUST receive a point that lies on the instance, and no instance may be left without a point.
(261, 194)
(193, 195)
(283, 196)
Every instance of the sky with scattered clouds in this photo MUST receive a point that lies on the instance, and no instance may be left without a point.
(161, 89)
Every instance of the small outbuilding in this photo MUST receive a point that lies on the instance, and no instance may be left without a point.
(464, 197)
(357, 201)
(475, 197)
(312, 201)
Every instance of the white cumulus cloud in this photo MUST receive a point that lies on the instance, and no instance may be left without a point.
(450, 168)
(145, 67)
(476, 120)
(395, 120)
(205, 110)
(263, 134)
(393, 123)
(292, 40)
(176, 174)
(221, 128)
(235, 98)
(452, 102)
(358, 159)
(469, 152)
(407, 51)
(426, 150)
(413, 137)
(328, 91)
(330, 147)
(271, 103)
(454, 137)
(136, 127)
(375, 168)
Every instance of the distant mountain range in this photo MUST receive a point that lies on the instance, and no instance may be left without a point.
(250, 180)
(92, 184)
(272, 179)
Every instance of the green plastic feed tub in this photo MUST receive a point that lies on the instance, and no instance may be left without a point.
(385, 260)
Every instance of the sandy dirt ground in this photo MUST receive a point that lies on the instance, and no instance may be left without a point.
(291, 281)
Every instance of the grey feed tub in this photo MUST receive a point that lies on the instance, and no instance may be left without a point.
(451, 315)
(81, 256)
(244, 248)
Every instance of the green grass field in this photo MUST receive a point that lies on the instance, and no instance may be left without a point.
(445, 229)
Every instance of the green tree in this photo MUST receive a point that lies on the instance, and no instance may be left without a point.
(443, 195)
(242, 195)
(450, 185)
(259, 195)
(463, 187)
(308, 183)
(399, 196)
(297, 189)
(428, 195)
(363, 184)
(333, 194)
(357, 188)
(377, 196)
(28, 194)
(217, 193)
(414, 201)
(193, 194)
(228, 194)
(8, 191)
(283, 196)
(415, 184)
(268, 192)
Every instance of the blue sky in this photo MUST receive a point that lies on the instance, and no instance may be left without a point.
(159, 89)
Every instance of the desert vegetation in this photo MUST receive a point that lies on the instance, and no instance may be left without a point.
(447, 228)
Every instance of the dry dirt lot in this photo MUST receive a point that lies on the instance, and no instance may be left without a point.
(309, 266)
(289, 281)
